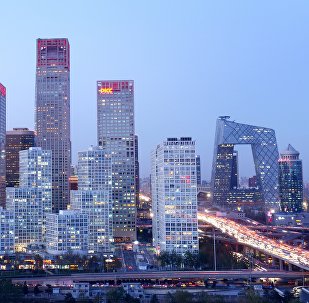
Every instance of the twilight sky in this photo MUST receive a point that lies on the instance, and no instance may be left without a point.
(191, 62)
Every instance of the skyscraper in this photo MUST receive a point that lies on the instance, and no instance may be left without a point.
(198, 170)
(94, 198)
(174, 196)
(2, 143)
(53, 112)
(115, 113)
(290, 180)
(265, 155)
(16, 140)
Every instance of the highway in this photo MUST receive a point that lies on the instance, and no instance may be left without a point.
(243, 234)
(139, 276)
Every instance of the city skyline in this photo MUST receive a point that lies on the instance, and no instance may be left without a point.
(258, 55)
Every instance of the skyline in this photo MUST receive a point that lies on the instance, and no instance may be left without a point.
(257, 51)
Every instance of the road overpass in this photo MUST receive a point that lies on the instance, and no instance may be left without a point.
(251, 238)
(157, 275)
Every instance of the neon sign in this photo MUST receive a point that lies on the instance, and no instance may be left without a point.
(107, 90)
(2, 90)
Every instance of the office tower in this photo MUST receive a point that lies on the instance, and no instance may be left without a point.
(73, 183)
(265, 156)
(16, 140)
(53, 112)
(137, 185)
(2, 143)
(291, 180)
(174, 196)
(252, 182)
(27, 206)
(94, 198)
(7, 238)
(35, 169)
(67, 231)
(234, 177)
(115, 112)
(198, 170)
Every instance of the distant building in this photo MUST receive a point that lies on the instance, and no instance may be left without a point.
(198, 170)
(235, 175)
(53, 112)
(73, 183)
(67, 231)
(7, 239)
(291, 180)
(252, 182)
(16, 140)
(2, 143)
(94, 198)
(265, 156)
(174, 196)
(116, 135)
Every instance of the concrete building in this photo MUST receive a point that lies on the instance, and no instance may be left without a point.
(116, 135)
(291, 180)
(16, 140)
(53, 112)
(7, 239)
(198, 170)
(65, 231)
(265, 156)
(174, 196)
(2, 142)
(94, 198)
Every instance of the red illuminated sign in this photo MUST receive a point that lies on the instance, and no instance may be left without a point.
(2, 90)
(107, 90)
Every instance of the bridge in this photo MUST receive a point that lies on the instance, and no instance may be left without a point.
(251, 238)
(157, 275)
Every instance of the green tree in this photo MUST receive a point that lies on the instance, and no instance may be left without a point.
(25, 288)
(69, 298)
(180, 297)
(9, 293)
(116, 295)
(203, 297)
(154, 299)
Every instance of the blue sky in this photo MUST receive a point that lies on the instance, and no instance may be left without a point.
(191, 61)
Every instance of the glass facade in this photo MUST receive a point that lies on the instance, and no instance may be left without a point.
(174, 196)
(53, 112)
(2, 143)
(265, 155)
(16, 140)
(291, 180)
(115, 122)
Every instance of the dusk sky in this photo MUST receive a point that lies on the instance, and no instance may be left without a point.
(191, 61)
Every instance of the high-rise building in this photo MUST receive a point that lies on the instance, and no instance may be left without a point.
(115, 112)
(94, 198)
(291, 180)
(7, 239)
(27, 206)
(174, 196)
(53, 112)
(67, 231)
(2, 143)
(235, 175)
(252, 182)
(16, 140)
(198, 170)
(35, 171)
(137, 185)
(265, 155)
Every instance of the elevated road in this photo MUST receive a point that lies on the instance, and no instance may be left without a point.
(162, 275)
(291, 254)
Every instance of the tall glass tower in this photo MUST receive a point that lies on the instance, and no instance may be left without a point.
(2, 143)
(115, 113)
(53, 112)
(290, 180)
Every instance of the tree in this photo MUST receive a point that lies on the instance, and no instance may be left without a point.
(38, 262)
(116, 295)
(36, 289)
(9, 293)
(69, 298)
(154, 299)
(180, 297)
(25, 288)
(49, 289)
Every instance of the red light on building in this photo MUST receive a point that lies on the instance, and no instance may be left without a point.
(106, 90)
(2, 90)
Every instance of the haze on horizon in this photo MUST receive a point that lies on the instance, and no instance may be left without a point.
(190, 62)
